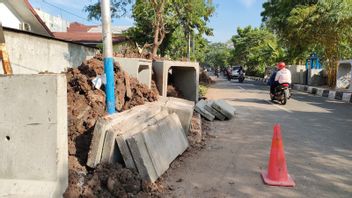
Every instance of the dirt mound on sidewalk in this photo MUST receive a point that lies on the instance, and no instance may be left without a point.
(85, 105)
(205, 79)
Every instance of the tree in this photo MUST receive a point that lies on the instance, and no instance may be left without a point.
(218, 55)
(118, 9)
(256, 48)
(275, 17)
(157, 20)
(326, 24)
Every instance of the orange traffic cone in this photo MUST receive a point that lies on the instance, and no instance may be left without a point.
(277, 174)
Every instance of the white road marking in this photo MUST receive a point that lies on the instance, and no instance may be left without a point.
(278, 106)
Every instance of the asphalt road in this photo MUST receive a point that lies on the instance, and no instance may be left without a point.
(317, 136)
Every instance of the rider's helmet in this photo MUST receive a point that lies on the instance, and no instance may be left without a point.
(281, 65)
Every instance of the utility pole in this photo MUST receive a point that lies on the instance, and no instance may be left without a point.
(108, 59)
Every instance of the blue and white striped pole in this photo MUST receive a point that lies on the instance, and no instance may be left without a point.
(108, 59)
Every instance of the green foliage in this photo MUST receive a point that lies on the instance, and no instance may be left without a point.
(275, 17)
(165, 24)
(304, 26)
(181, 18)
(326, 24)
(218, 55)
(118, 9)
(203, 90)
(256, 49)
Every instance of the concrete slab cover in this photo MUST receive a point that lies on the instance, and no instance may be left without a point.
(102, 126)
(141, 158)
(132, 119)
(201, 110)
(224, 108)
(121, 139)
(158, 139)
(183, 108)
(33, 136)
(213, 111)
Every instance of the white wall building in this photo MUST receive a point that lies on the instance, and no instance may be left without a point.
(19, 14)
(54, 23)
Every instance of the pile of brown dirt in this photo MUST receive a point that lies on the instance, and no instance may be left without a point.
(205, 79)
(111, 180)
(172, 91)
(86, 104)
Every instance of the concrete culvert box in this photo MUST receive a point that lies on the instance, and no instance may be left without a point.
(185, 77)
(344, 75)
(33, 136)
(138, 68)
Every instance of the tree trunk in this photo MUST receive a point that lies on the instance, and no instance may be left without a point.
(156, 41)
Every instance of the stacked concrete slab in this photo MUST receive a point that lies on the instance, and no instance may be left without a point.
(215, 109)
(146, 138)
(33, 131)
(138, 68)
(185, 77)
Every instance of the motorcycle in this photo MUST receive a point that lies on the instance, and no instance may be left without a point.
(241, 78)
(282, 93)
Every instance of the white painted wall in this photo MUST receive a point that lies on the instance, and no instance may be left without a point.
(54, 23)
(32, 54)
(7, 18)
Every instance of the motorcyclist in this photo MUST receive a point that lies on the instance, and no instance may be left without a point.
(282, 76)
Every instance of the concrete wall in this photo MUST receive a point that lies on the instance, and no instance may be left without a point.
(185, 74)
(344, 75)
(31, 54)
(33, 136)
(138, 68)
(316, 77)
(298, 73)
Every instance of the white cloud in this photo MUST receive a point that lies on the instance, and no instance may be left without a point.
(248, 3)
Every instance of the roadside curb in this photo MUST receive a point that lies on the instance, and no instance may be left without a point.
(331, 94)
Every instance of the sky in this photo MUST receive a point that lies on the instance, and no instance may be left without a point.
(229, 14)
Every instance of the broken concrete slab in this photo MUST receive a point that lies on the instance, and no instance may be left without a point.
(224, 108)
(213, 111)
(157, 146)
(33, 131)
(200, 108)
(103, 125)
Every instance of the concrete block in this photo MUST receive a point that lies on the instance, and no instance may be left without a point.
(332, 95)
(213, 111)
(151, 149)
(320, 91)
(102, 126)
(310, 89)
(138, 68)
(124, 151)
(185, 77)
(130, 120)
(183, 108)
(224, 108)
(201, 110)
(33, 131)
(346, 97)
